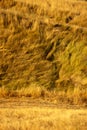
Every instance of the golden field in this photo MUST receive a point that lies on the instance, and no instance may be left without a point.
(39, 115)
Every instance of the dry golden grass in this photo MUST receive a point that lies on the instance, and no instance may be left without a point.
(44, 118)
(76, 97)
(43, 55)
(43, 49)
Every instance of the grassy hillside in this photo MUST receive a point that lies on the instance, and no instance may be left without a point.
(43, 46)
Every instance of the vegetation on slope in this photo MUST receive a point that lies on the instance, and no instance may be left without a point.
(43, 45)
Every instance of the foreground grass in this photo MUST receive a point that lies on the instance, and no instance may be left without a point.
(44, 118)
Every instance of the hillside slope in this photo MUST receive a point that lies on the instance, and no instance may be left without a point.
(43, 44)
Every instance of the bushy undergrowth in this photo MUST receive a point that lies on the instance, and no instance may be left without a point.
(44, 44)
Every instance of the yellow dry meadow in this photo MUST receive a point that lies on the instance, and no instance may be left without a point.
(42, 118)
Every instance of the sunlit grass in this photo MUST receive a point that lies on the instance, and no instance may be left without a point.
(36, 118)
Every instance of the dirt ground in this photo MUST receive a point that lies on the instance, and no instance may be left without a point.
(39, 114)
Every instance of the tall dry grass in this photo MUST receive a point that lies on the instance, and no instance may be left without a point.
(43, 49)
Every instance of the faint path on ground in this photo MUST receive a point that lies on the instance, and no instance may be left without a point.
(25, 103)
